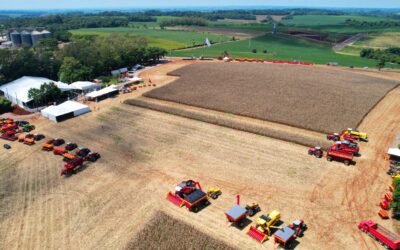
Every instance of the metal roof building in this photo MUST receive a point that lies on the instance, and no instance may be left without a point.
(65, 110)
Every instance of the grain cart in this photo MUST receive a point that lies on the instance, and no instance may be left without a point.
(72, 166)
(29, 139)
(337, 153)
(284, 237)
(384, 236)
(9, 135)
(263, 227)
(237, 214)
(188, 194)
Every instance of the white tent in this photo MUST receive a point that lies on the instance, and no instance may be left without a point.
(394, 152)
(17, 91)
(103, 93)
(85, 86)
(65, 111)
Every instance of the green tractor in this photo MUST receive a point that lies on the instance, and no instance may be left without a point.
(28, 127)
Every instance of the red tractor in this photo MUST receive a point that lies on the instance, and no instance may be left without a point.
(333, 137)
(299, 227)
(316, 151)
(58, 151)
(9, 135)
(72, 166)
(83, 152)
(189, 194)
(92, 157)
(70, 146)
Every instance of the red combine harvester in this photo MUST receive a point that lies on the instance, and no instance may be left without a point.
(189, 194)
(337, 153)
(338, 137)
(72, 166)
(348, 146)
(384, 236)
(9, 135)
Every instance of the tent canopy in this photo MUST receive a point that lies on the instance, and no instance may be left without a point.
(102, 92)
(18, 90)
(394, 152)
(69, 107)
(85, 85)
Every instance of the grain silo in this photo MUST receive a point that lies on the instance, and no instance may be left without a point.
(15, 38)
(36, 36)
(46, 33)
(26, 38)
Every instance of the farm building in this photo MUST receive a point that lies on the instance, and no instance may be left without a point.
(65, 110)
(17, 90)
(85, 86)
(102, 94)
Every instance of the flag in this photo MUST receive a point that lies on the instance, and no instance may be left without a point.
(208, 42)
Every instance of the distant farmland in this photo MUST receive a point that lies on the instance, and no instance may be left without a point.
(281, 47)
(167, 39)
(312, 98)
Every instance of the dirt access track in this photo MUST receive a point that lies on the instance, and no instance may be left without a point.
(145, 153)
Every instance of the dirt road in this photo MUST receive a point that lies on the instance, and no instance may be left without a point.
(145, 153)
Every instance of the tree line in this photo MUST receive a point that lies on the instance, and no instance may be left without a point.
(386, 55)
(81, 60)
(183, 21)
(366, 24)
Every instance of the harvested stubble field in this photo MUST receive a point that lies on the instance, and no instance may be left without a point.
(313, 98)
(166, 232)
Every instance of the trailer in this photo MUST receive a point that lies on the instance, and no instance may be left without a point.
(387, 238)
(336, 152)
(237, 214)
(284, 237)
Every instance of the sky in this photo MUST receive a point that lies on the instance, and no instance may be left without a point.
(96, 4)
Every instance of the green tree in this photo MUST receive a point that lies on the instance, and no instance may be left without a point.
(381, 63)
(72, 70)
(48, 92)
(5, 105)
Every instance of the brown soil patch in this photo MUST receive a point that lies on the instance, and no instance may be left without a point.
(166, 232)
(306, 97)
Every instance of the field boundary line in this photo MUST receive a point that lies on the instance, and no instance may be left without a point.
(242, 123)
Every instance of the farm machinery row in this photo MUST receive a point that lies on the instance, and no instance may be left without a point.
(9, 128)
(73, 159)
(345, 146)
(190, 194)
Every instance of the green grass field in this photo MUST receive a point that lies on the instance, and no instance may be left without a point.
(167, 39)
(323, 20)
(280, 47)
(374, 40)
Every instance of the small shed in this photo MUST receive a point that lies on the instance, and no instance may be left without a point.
(85, 86)
(65, 110)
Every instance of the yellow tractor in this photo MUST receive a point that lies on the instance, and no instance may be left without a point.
(214, 192)
(263, 227)
(357, 134)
